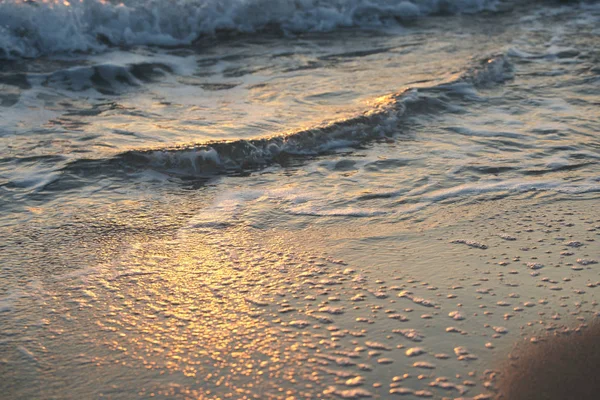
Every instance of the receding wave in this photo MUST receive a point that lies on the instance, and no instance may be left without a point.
(107, 78)
(32, 28)
(384, 120)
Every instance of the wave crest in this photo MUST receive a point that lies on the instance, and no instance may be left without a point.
(30, 28)
(384, 120)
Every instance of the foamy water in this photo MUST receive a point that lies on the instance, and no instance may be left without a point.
(308, 199)
(34, 28)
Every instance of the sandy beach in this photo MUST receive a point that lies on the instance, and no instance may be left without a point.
(428, 314)
(285, 199)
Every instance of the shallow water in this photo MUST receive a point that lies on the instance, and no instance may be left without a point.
(276, 211)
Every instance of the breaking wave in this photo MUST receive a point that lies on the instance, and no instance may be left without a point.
(33, 28)
(383, 121)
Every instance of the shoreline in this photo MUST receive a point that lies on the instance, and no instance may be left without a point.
(336, 310)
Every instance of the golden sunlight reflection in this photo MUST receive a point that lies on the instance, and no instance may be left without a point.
(207, 312)
(382, 101)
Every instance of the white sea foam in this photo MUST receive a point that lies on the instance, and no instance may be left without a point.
(31, 29)
(512, 185)
(324, 211)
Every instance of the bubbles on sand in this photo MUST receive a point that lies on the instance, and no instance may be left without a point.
(410, 334)
(586, 261)
(262, 318)
(348, 393)
(500, 329)
(470, 243)
(495, 306)
(416, 299)
(414, 351)
(534, 266)
(377, 345)
(574, 243)
(401, 391)
(456, 315)
(424, 364)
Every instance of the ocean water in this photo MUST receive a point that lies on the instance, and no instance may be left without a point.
(200, 199)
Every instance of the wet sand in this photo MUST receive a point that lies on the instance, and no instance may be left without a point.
(423, 310)
(448, 303)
